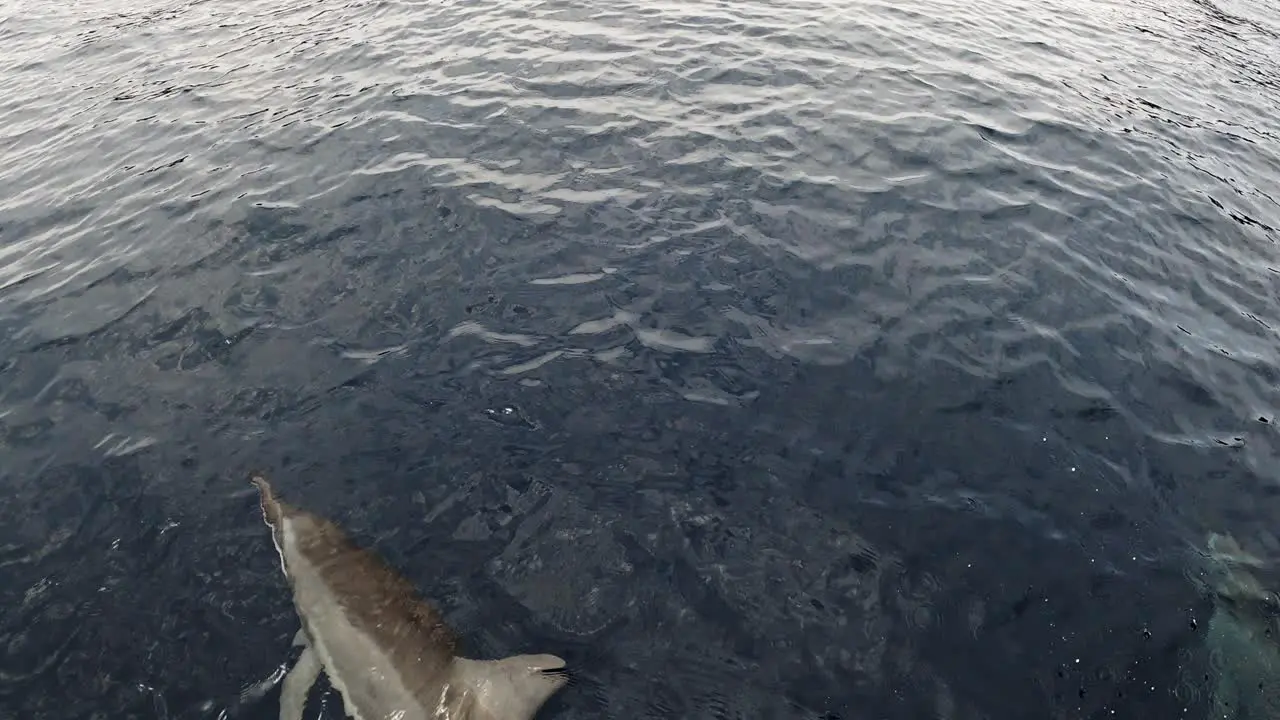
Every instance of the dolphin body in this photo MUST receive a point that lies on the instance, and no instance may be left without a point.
(388, 652)
(1243, 636)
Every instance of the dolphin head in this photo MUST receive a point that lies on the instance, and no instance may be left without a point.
(512, 688)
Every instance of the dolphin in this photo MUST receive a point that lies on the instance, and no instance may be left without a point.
(1243, 637)
(386, 651)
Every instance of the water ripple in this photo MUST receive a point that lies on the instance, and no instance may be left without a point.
(816, 327)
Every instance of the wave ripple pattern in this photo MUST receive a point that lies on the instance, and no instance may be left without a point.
(765, 359)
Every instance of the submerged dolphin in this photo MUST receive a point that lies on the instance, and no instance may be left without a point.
(388, 653)
(1243, 635)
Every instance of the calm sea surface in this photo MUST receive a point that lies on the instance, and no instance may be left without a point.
(764, 359)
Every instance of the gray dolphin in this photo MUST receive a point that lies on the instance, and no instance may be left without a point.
(1243, 635)
(388, 652)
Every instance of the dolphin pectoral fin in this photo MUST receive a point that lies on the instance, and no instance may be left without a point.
(293, 692)
(300, 639)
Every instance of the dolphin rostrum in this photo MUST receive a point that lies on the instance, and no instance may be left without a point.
(388, 652)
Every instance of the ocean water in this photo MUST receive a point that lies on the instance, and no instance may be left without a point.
(764, 359)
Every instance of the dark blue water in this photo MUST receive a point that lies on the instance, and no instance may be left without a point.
(772, 359)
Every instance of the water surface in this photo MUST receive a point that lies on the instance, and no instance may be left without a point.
(763, 359)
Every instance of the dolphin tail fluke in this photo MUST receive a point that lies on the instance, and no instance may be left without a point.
(270, 506)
